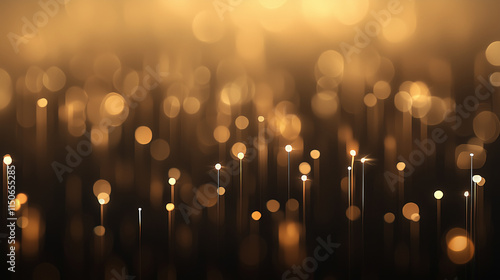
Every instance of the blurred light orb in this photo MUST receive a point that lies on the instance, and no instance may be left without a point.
(438, 194)
(174, 173)
(370, 100)
(325, 104)
(486, 126)
(218, 166)
(495, 79)
(353, 212)
(482, 182)
(170, 207)
(191, 105)
(101, 186)
(172, 181)
(288, 148)
(237, 148)
(42, 102)
(400, 166)
(99, 230)
(409, 209)
(403, 101)
(171, 106)
(23, 198)
(315, 154)
(389, 217)
(292, 205)
(304, 168)
(272, 205)
(303, 178)
(207, 27)
(261, 118)
(493, 53)
(7, 159)
(466, 194)
(241, 122)
(415, 217)
(241, 155)
(143, 135)
(382, 90)
(114, 103)
(460, 248)
(202, 75)
(331, 63)
(54, 79)
(221, 191)
(221, 134)
(256, 215)
(353, 153)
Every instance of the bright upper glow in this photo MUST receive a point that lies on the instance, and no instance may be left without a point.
(303, 178)
(218, 166)
(353, 153)
(288, 148)
(471, 154)
(466, 194)
(241, 155)
(363, 160)
(172, 181)
(348, 168)
(401, 166)
(438, 194)
(7, 159)
(476, 178)
(170, 207)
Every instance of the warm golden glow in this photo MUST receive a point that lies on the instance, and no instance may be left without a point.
(143, 135)
(169, 207)
(273, 205)
(174, 173)
(221, 191)
(23, 198)
(101, 186)
(400, 166)
(42, 102)
(256, 215)
(241, 122)
(103, 198)
(352, 153)
(288, 148)
(389, 217)
(410, 209)
(304, 168)
(315, 154)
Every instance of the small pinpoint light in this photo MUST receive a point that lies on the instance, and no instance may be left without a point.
(353, 153)
(438, 194)
(218, 166)
(261, 118)
(288, 148)
(172, 181)
(466, 193)
(363, 160)
(303, 178)
(349, 168)
(401, 166)
(140, 209)
(476, 179)
(241, 155)
(170, 207)
(471, 154)
(7, 159)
